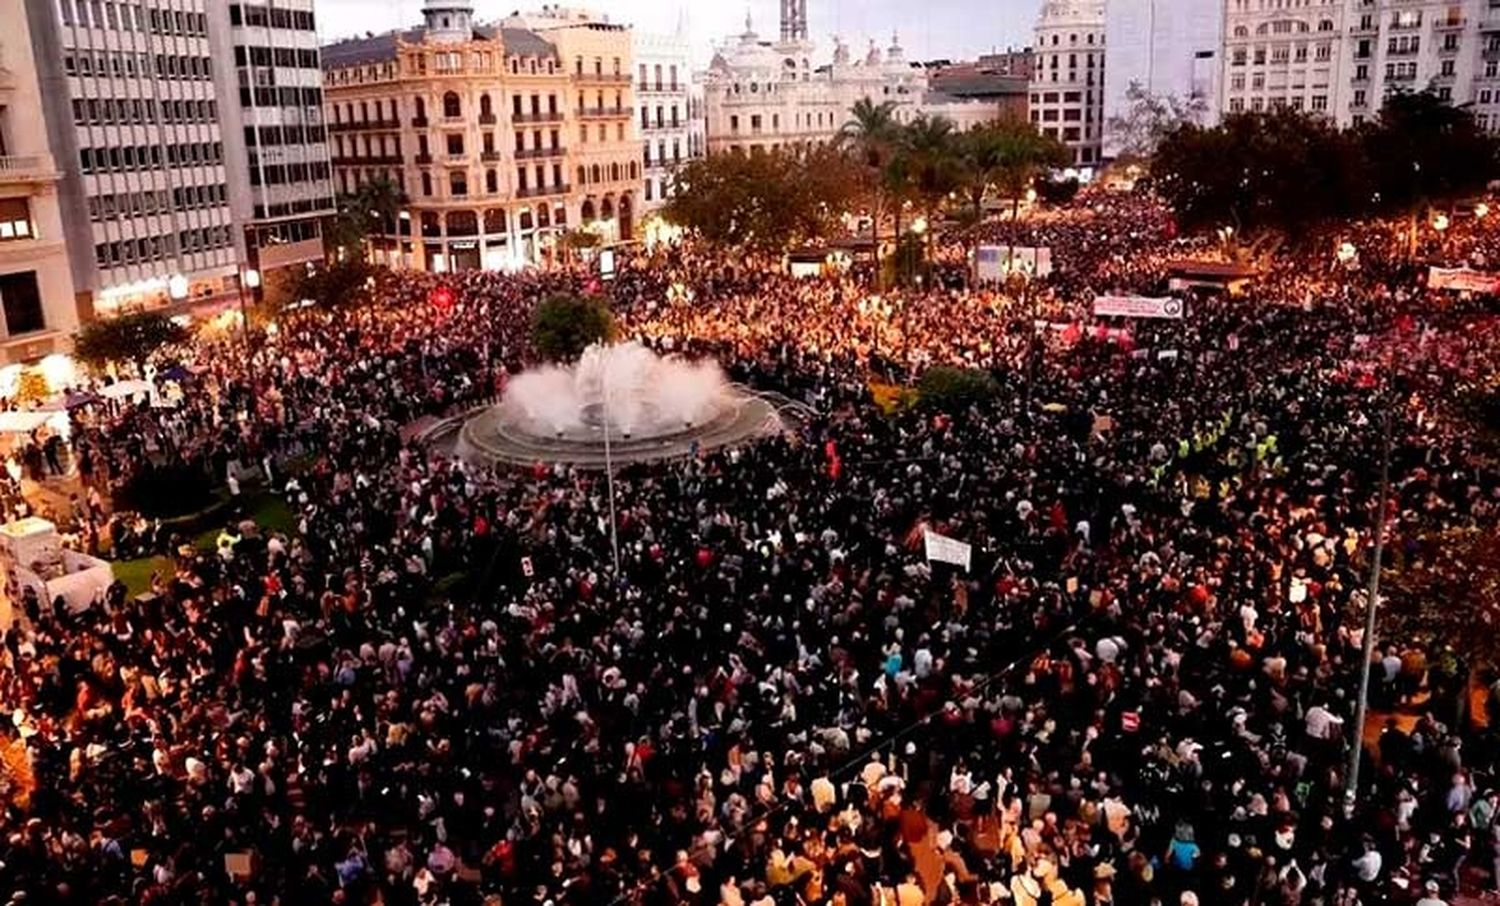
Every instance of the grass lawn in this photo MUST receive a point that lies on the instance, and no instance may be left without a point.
(269, 511)
(136, 574)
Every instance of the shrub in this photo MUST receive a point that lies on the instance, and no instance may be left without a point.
(165, 491)
(564, 326)
(946, 387)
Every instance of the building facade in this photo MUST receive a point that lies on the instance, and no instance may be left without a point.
(1298, 57)
(500, 138)
(1067, 83)
(605, 162)
(270, 86)
(1412, 45)
(133, 118)
(668, 111)
(762, 95)
(37, 306)
(1170, 48)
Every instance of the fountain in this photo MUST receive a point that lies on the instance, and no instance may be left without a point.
(640, 405)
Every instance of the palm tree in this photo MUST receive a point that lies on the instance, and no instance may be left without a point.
(1005, 157)
(373, 207)
(873, 135)
(928, 157)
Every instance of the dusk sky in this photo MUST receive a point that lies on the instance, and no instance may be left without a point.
(929, 29)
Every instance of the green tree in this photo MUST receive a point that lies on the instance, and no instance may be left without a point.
(130, 338)
(1283, 171)
(1148, 119)
(374, 208)
(761, 201)
(1003, 159)
(873, 136)
(950, 388)
(341, 284)
(1422, 150)
(564, 326)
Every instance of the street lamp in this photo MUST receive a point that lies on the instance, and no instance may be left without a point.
(1440, 222)
(177, 287)
(249, 279)
(1481, 210)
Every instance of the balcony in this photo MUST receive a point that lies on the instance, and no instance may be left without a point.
(538, 153)
(489, 157)
(27, 168)
(551, 116)
(424, 158)
(486, 119)
(364, 125)
(542, 191)
(605, 112)
(602, 78)
(1455, 23)
(419, 122)
(377, 160)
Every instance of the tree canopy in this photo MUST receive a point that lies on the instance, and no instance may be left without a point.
(564, 326)
(131, 338)
(1287, 171)
(765, 201)
(374, 207)
(1149, 118)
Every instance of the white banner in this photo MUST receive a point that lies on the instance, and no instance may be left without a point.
(947, 550)
(996, 262)
(1137, 307)
(1462, 279)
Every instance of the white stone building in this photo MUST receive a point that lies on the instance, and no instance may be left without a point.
(668, 112)
(1170, 48)
(1279, 56)
(37, 307)
(766, 95)
(1067, 84)
(133, 118)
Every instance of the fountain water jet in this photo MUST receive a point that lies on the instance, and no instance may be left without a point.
(650, 406)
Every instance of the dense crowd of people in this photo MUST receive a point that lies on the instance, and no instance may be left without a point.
(437, 689)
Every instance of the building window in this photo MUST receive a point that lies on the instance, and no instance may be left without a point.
(491, 181)
(458, 183)
(452, 107)
(22, 300)
(455, 143)
(15, 219)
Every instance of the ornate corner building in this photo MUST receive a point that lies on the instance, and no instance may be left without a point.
(500, 137)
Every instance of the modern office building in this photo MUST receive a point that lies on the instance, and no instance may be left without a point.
(500, 137)
(1067, 82)
(1170, 49)
(270, 87)
(133, 118)
(37, 306)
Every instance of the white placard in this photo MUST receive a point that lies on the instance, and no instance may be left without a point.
(947, 550)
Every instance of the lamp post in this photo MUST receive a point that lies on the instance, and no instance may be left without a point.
(177, 287)
(249, 279)
(1440, 223)
(1362, 707)
(609, 481)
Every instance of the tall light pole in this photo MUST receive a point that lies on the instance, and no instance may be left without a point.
(1362, 707)
(249, 279)
(609, 481)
